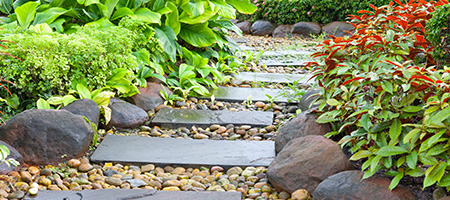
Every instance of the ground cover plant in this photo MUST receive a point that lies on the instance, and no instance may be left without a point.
(293, 11)
(438, 33)
(384, 95)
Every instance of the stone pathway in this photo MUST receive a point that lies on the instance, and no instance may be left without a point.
(238, 94)
(184, 152)
(283, 63)
(175, 118)
(303, 79)
(124, 194)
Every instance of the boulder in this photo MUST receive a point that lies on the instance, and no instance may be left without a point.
(13, 153)
(300, 126)
(149, 97)
(47, 137)
(125, 115)
(307, 99)
(245, 26)
(306, 29)
(305, 162)
(85, 107)
(262, 28)
(338, 29)
(348, 185)
(281, 31)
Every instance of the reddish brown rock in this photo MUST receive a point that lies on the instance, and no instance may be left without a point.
(125, 115)
(338, 29)
(300, 126)
(246, 27)
(305, 162)
(47, 136)
(281, 31)
(306, 29)
(348, 185)
(149, 97)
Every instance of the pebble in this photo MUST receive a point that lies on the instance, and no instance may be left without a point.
(74, 163)
(260, 104)
(34, 170)
(16, 195)
(200, 136)
(46, 172)
(301, 194)
(26, 176)
(85, 165)
(113, 181)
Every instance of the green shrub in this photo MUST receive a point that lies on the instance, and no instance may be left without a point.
(321, 11)
(52, 62)
(391, 109)
(438, 33)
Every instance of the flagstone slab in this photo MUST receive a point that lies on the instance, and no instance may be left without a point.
(287, 53)
(128, 194)
(246, 48)
(303, 79)
(284, 63)
(183, 152)
(175, 118)
(239, 40)
(238, 94)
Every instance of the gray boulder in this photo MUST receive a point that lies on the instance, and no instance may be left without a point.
(306, 29)
(262, 28)
(85, 107)
(125, 115)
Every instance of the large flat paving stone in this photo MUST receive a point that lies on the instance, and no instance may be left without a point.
(246, 48)
(184, 152)
(238, 94)
(283, 63)
(286, 53)
(303, 79)
(128, 194)
(175, 118)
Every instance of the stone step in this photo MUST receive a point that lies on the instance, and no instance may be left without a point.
(184, 152)
(175, 118)
(283, 63)
(246, 48)
(238, 94)
(303, 79)
(135, 194)
(239, 40)
(286, 53)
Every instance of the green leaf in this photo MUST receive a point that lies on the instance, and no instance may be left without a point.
(333, 102)
(172, 19)
(168, 38)
(436, 150)
(103, 23)
(6, 6)
(396, 129)
(365, 122)
(411, 135)
(411, 159)
(387, 86)
(434, 174)
(110, 5)
(440, 116)
(26, 12)
(445, 181)
(122, 12)
(194, 9)
(83, 91)
(396, 180)
(417, 172)
(243, 6)
(198, 35)
(327, 117)
(361, 154)
(391, 151)
(102, 98)
(208, 14)
(148, 16)
(427, 160)
(41, 28)
(42, 104)
(412, 109)
(49, 16)
(68, 99)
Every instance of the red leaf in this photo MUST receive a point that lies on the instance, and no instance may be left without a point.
(372, 6)
(422, 77)
(353, 79)
(364, 11)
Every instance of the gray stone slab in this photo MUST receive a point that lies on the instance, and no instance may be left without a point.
(238, 94)
(239, 40)
(128, 194)
(286, 52)
(284, 63)
(246, 48)
(303, 79)
(174, 118)
(184, 152)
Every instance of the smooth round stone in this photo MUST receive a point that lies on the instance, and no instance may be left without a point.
(253, 179)
(127, 177)
(301, 194)
(171, 188)
(215, 188)
(198, 184)
(134, 168)
(223, 181)
(74, 163)
(81, 181)
(253, 195)
(245, 127)
(44, 181)
(16, 195)
(249, 183)
(46, 172)
(259, 185)
(216, 168)
(147, 168)
(26, 176)
(240, 132)
(54, 187)
(22, 186)
(170, 183)
(249, 171)
(200, 136)
(84, 167)
(155, 184)
(113, 181)
(229, 187)
(260, 104)
(240, 179)
(266, 188)
(125, 186)
(214, 127)
(73, 185)
(178, 170)
(76, 188)
(235, 137)
(34, 170)
(234, 170)
(254, 190)
(109, 173)
(233, 177)
(96, 186)
(221, 130)
(186, 187)
(197, 178)
(284, 195)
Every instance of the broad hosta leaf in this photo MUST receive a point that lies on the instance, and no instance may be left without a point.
(83, 91)
(198, 35)
(110, 5)
(49, 15)
(103, 22)
(26, 12)
(148, 16)
(243, 6)
(194, 9)
(208, 14)
(434, 174)
(6, 6)
(396, 129)
(122, 12)
(172, 19)
(391, 151)
(42, 104)
(168, 38)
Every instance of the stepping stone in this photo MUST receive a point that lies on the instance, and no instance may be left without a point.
(238, 94)
(239, 40)
(175, 118)
(183, 152)
(135, 194)
(283, 63)
(275, 78)
(246, 48)
(286, 53)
